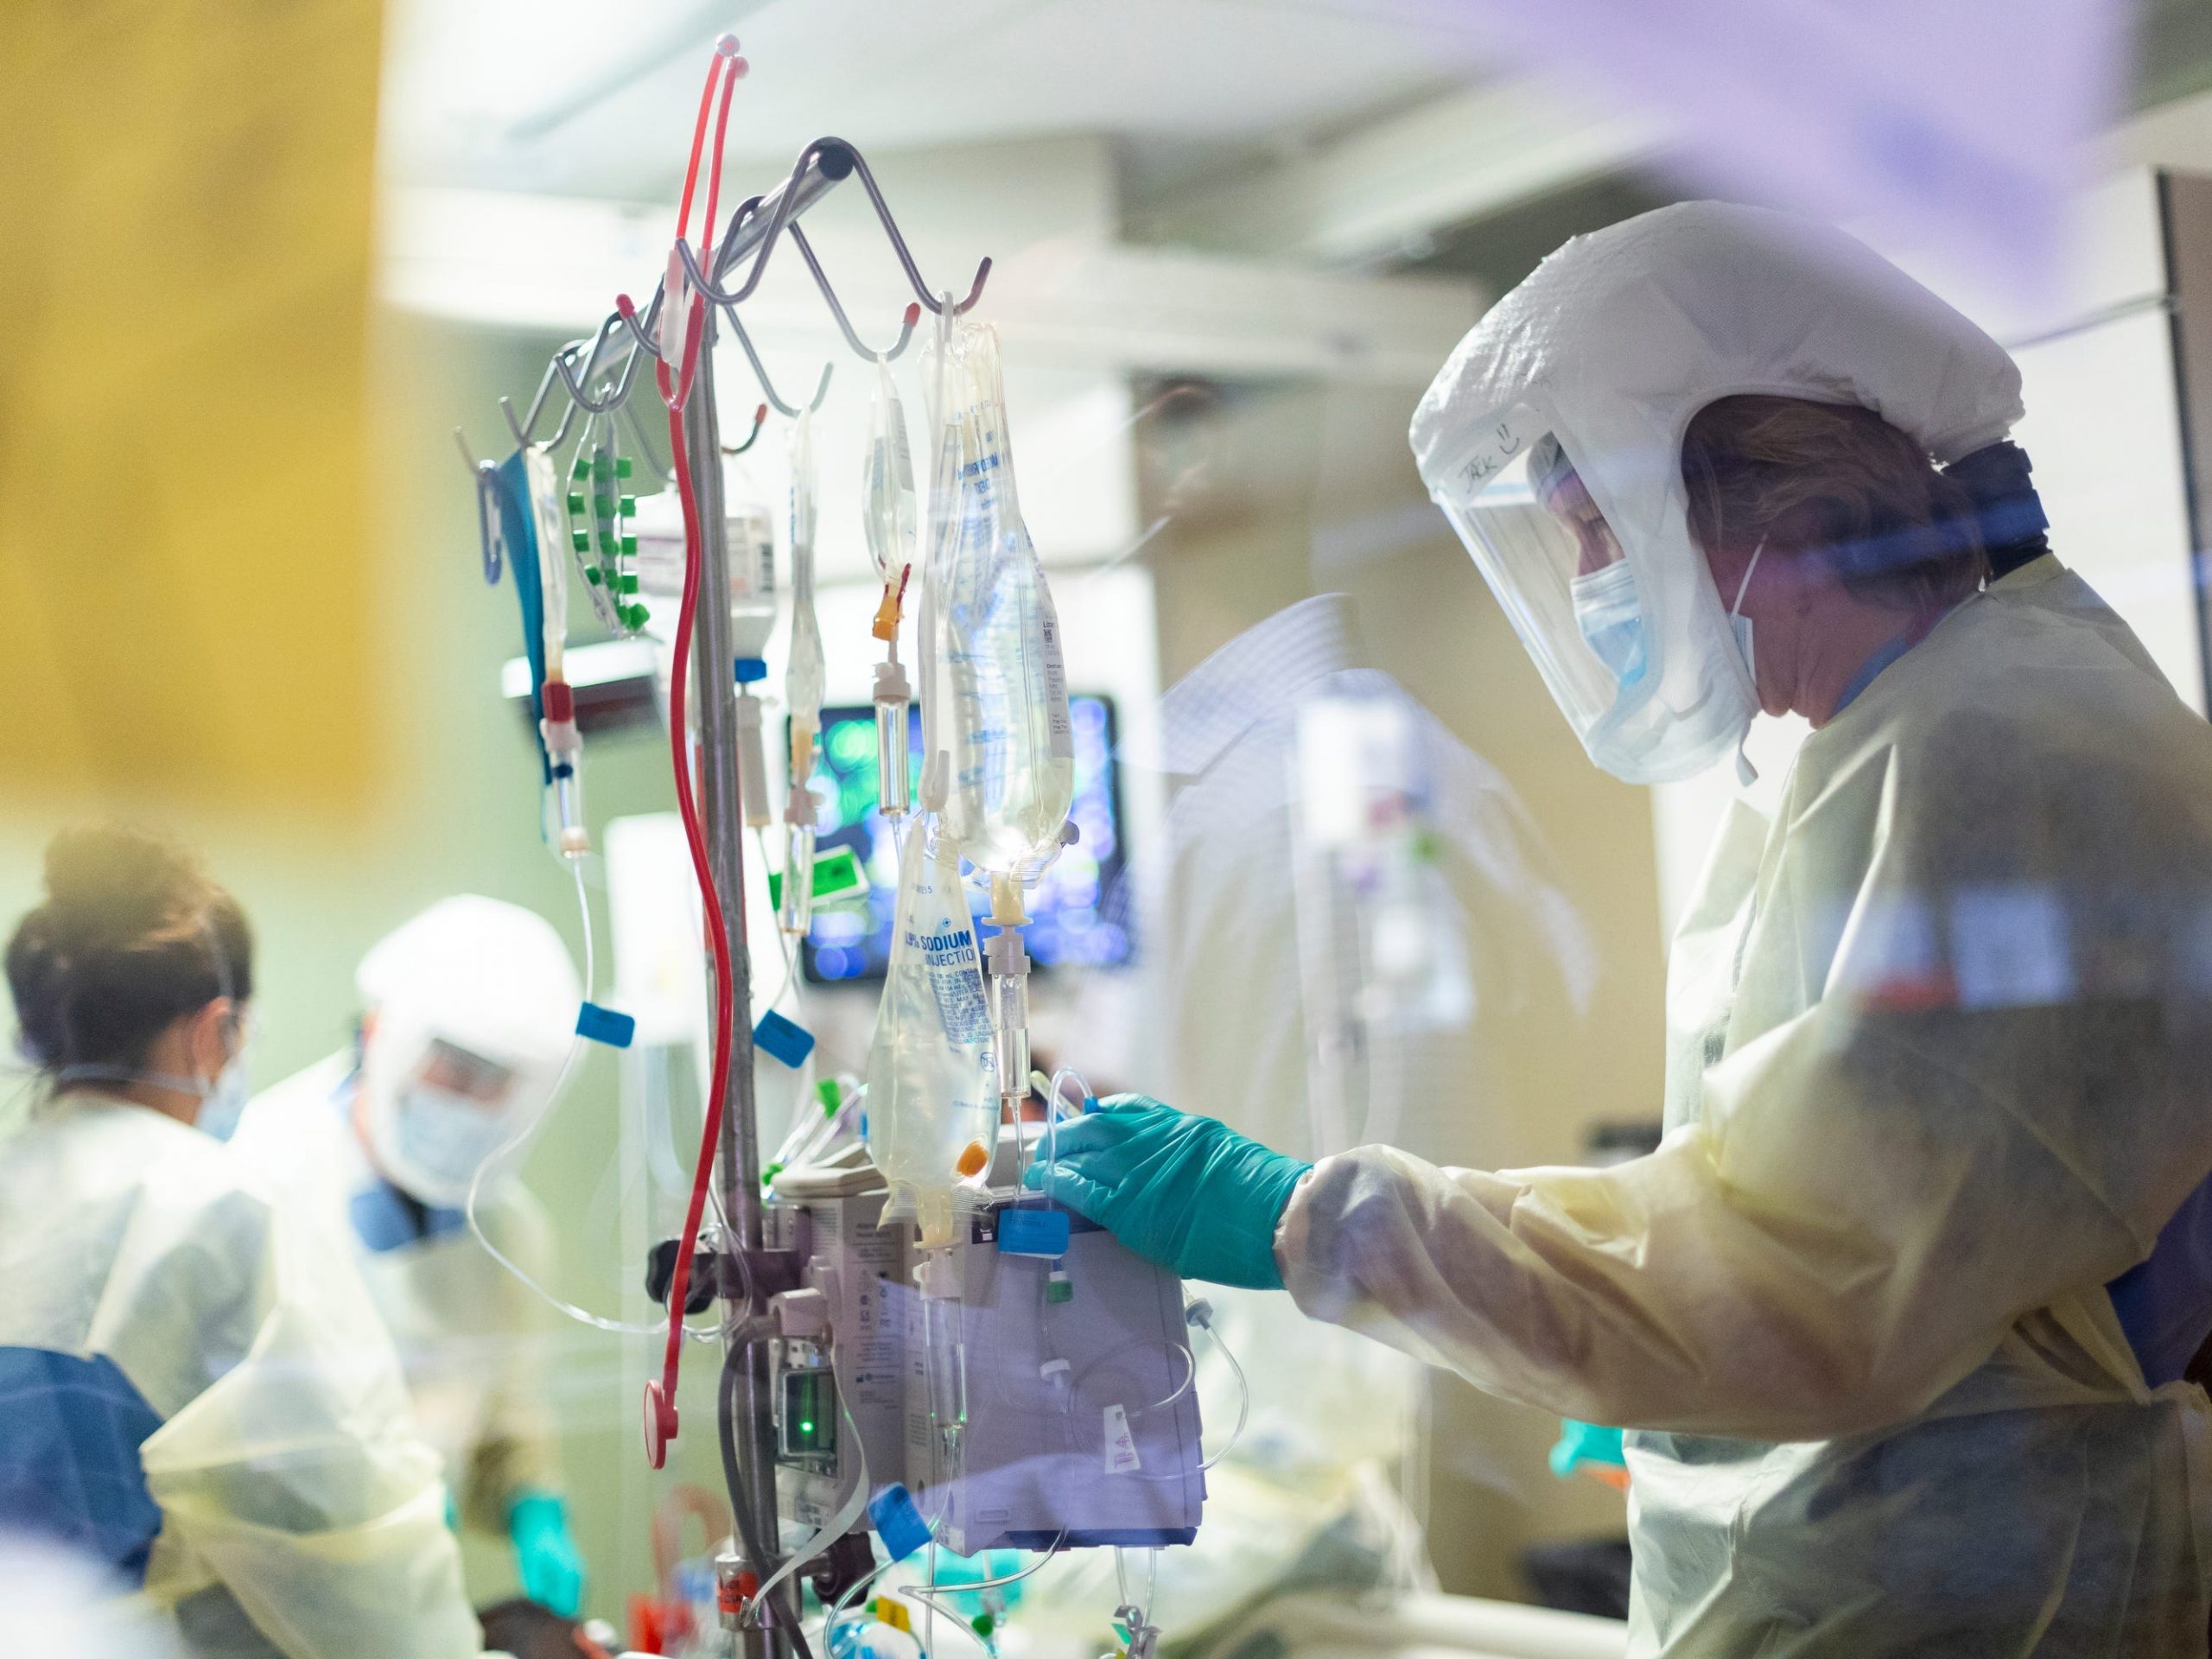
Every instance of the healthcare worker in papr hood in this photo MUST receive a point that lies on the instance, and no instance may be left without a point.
(1898, 1313)
(468, 1019)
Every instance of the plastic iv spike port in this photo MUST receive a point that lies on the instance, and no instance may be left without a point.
(972, 1161)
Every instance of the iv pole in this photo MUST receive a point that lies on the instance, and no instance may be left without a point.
(738, 1157)
(752, 231)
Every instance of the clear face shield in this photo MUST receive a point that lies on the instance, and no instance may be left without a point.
(1542, 543)
(435, 1118)
(455, 1072)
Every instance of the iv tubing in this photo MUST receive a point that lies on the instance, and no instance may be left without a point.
(838, 1608)
(527, 1133)
(717, 928)
(1204, 1322)
(927, 1594)
(687, 804)
(1055, 1108)
(1151, 1581)
(783, 941)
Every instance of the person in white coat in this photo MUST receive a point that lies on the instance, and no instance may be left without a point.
(468, 1018)
(195, 1392)
(1898, 1314)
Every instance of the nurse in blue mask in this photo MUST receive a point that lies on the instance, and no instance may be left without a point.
(1906, 1319)
(1607, 612)
(468, 1018)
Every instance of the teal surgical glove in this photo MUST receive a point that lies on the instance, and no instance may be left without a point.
(1188, 1192)
(1583, 1443)
(547, 1559)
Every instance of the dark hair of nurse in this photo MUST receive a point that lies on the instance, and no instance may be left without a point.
(137, 962)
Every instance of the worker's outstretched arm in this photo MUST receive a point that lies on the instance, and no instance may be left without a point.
(1871, 1202)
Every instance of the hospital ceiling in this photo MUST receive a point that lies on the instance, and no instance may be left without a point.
(1345, 134)
(545, 95)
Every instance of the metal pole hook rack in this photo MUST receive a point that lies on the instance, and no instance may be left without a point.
(597, 383)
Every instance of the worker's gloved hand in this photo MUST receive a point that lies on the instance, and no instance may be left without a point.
(1593, 1448)
(547, 1561)
(1187, 1191)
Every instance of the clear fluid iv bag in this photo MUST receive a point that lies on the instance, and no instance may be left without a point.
(749, 529)
(804, 675)
(562, 805)
(942, 374)
(932, 1104)
(1006, 730)
(889, 480)
(888, 516)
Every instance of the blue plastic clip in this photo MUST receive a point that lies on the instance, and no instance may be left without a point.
(897, 1522)
(598, 1025)
(746, 670)
(787, 1041)
(1032, 1230)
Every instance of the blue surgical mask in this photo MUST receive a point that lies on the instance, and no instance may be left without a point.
(1611, 617)
(222, 1106)
(221, 1102)
(1741, 625)
(442, 1139)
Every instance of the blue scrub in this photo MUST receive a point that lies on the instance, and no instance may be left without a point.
(70, 1430)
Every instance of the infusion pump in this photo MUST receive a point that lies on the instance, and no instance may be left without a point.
(1032, 1387)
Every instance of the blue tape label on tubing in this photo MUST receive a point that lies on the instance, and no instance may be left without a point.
(598, 1025)
(899, 1523)
(783, 1038)
(1032, 1229)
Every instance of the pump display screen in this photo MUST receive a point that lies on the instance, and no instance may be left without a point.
(1078, 909)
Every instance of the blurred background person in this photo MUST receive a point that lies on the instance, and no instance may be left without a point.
(468, 1017)
(199, 1394)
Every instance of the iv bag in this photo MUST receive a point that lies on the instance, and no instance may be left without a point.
(749, 532)
(804, 674)
(888, 483)
(1006, 732)
(552, 527)
(932, 1108)
(942, 372)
